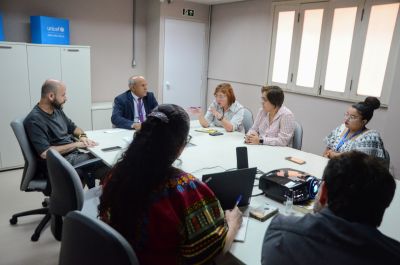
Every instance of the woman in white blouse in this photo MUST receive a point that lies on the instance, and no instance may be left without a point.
(274, 124)
(225, 111)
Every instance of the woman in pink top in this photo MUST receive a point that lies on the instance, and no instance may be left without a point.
(274, 124)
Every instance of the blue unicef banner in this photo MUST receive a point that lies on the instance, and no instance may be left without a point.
(1, 28)
(49, 30)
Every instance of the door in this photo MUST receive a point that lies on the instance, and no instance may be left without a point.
(184, 59)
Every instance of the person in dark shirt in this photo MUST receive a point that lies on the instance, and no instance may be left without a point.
(355, 191)
(133, 106)
(47, 127)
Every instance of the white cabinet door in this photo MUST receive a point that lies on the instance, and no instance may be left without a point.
(44, 62)
(75, 72)
(14, 100)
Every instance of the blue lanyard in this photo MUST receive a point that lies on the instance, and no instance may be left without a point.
(343, 140)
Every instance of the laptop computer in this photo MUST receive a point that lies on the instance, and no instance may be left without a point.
(229, 185)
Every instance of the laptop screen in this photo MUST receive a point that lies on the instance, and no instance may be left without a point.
(229, 185)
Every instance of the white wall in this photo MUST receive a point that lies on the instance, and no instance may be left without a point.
(239, 54)
(104, 25)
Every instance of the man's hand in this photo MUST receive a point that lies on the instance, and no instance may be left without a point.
(252, 138)
(136, 126)
(86, 142)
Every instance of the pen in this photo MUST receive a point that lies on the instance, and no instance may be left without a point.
(238, 200)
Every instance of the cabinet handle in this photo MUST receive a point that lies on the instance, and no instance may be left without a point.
(73, 50)
(5, 47)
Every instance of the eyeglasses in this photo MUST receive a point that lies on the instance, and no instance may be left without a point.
(220, 96)
(349, 117)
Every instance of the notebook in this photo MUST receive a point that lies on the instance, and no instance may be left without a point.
(206, 130)
(229, 185)
(241, 235)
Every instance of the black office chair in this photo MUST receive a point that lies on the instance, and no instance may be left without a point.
(66, 190)
(92, 242)
(34, 177)
(386, 160)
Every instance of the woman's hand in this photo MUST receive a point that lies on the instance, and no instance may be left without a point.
(329, 153)
(252, 138)
(195, 111)
(234, 218)
(216, 114)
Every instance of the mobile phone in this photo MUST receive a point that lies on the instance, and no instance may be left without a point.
(295, 160)
(241, 157)
(216, 133)
(263, 213)
(111, 148)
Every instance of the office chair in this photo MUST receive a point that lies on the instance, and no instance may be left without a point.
(247, 120)
(297, 136)
(92, 242)
(66, 190)
(386, 160)
(35, 177)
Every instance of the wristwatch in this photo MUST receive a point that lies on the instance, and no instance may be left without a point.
(261, 141)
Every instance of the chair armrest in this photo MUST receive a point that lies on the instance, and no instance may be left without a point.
(89, 163)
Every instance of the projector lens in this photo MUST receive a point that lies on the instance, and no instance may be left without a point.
(313, 187)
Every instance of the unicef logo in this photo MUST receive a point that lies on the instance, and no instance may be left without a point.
(61, 29)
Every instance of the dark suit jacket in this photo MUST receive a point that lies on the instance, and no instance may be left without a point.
(124, 110)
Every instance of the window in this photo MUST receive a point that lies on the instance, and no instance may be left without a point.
(330, 48)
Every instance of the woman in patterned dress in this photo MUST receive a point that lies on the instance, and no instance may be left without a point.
(167, 215)
(353, 133)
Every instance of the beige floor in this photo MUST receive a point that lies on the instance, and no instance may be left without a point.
(16, 248)
(15, 244)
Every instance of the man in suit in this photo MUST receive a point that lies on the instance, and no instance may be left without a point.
(132, 107)
(355, 191)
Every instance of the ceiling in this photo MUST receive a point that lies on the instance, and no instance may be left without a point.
(213, 2)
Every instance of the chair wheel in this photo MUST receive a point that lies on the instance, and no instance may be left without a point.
(13, 220)
(35, 237)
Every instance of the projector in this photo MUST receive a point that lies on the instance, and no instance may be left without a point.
(281, 183)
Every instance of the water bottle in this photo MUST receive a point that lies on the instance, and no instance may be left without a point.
(289, 202)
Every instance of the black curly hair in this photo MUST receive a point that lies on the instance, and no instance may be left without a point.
(143, 167)
(366, 108)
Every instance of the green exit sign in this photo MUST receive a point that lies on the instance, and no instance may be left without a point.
(188, 12)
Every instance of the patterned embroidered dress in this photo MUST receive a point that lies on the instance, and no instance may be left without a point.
(184, 224)
(368, 142)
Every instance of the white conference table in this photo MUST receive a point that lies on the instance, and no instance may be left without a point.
(211, 154)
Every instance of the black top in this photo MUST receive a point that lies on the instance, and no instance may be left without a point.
(325, 238)
(45, 130)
